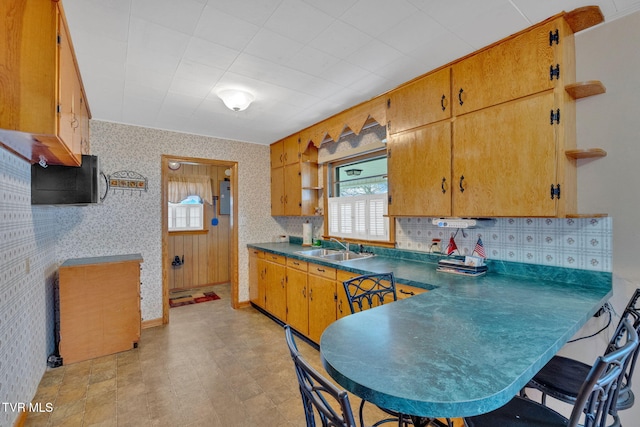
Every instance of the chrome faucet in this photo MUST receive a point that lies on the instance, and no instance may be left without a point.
(345, 245)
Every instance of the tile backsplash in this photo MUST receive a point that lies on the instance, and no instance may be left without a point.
(583, 243)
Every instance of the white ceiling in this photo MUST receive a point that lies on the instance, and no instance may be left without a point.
(160, 63)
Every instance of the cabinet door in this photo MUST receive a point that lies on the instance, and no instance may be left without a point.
(342, 303)
(424, 101)
(504, 160)
(419, 167)
(276, 152)
(277, 191)
(256, 277)
(297, 306)
(515, 68)
(292, 190)
(291, 150)
(322, 305)
(68, 123)
(276, 291)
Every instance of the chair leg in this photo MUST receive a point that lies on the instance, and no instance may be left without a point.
(360, 413)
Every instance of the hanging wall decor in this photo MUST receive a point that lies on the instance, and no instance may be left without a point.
(127, 181)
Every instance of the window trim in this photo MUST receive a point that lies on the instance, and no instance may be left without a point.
(327, 171)
(188, 206)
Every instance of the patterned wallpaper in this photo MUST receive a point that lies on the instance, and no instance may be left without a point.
(130, 222)
(584, 243)
(27, 276)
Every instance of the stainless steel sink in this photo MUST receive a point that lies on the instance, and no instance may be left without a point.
(333, 255)
(318, 253)
(346, 256)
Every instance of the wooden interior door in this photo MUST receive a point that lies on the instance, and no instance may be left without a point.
(504, 157)
(419, 168)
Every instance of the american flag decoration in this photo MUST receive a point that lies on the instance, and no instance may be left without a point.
(479, 249)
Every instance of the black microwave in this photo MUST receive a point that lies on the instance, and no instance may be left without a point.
(66, 185)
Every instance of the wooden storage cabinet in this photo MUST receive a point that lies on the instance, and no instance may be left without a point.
(297, 295)
(406, 291)
(421, 102)
(506, 170)
(257, 277)
(45, 110)
(515, 68)
(99, 306)
(419, 167)
(294, 186)
(322, 299)
(275, 285)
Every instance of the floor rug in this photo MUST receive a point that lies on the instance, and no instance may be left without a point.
(194, 298)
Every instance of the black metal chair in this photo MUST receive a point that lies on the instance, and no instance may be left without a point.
(370, 290)
(315, 389)
(562, 377)
(598, 394)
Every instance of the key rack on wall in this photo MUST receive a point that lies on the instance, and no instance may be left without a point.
(127, 181)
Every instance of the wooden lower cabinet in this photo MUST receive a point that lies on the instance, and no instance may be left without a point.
(322, 299)
(275, 285)
(342, 302)
(99, 306)
(257, 279)
(405, 291)
(297, 296)
(307, 296)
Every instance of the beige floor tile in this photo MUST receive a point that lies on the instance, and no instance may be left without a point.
(211, 366)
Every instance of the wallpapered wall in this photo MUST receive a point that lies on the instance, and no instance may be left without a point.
(130, 222)
(27, 274)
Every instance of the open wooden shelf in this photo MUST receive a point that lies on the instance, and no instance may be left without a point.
(585, 89)
(588, 153)
(597, 215)
(584, 17)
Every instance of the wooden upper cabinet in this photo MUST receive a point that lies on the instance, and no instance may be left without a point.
(277, 191)
(285, 151)
(44, 105)
(510, 70)
(505, 160)
(421, 102)
(419, 168)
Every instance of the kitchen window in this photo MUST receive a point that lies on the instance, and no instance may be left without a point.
(357, 205)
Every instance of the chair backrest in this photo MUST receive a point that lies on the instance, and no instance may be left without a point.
(315, 389)
(370, 290)
(599, 392)
(632, 313)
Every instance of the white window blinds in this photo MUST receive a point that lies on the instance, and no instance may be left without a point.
(359, 217)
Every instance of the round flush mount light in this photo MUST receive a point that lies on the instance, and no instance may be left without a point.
(235, 99)
(174, 166)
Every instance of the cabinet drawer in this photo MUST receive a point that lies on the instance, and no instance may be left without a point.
(297, 264)
(278, 259)
(342, 276)
(405, 291)
(256, 252)
(322, 271)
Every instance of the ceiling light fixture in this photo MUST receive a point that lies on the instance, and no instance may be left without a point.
(352, 172)
(174, 166)
(235, 99)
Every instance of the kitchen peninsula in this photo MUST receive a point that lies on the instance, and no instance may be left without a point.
(464, 347)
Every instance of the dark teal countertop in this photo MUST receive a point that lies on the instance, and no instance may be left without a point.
(464, 348)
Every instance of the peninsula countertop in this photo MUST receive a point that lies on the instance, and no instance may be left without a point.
(464, 348)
